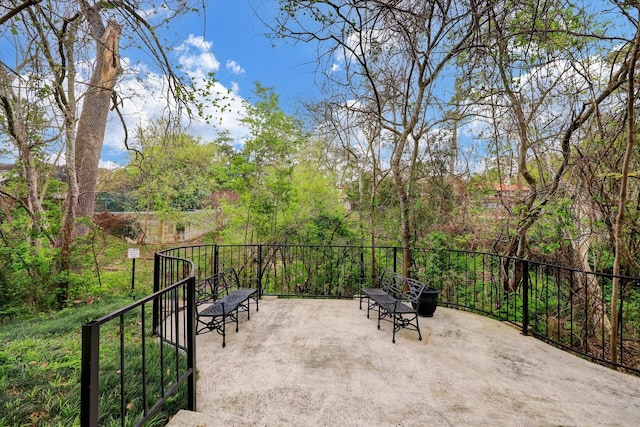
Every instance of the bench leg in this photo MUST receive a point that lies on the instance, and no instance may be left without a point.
(395, 323)
(224, 336)
(237, 317)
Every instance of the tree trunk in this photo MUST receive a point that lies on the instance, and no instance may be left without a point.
(67, 227)
(16, 112)
(405, 231)
(596, 317)
(622, 200)
(95, 109)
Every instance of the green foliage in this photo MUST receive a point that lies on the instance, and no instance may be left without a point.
(40, 366)
(26, 267)
(40, 387)
(261, 173)
(170, 172)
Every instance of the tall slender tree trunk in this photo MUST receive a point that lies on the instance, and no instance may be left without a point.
(95, 109)
(622, 200)
(403, 201)
(67, 230)
(15, 115)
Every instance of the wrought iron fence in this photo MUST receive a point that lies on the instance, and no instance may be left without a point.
(567, 307)
(138, 363)
(294, 270)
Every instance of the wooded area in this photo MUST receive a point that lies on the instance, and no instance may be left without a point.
(507, 126)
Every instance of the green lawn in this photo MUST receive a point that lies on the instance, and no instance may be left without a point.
(40, 365)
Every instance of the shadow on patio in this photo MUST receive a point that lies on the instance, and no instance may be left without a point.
(323, 363)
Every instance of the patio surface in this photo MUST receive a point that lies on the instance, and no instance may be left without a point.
(323, 363)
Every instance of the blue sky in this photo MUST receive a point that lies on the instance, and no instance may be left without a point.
(228, 39)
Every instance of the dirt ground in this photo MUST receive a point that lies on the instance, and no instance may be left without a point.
(323, 363)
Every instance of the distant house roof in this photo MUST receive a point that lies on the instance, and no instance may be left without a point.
(510, 188)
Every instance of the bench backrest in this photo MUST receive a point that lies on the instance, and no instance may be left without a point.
(398, 286)
(413, 290)
(217, 286)
(390, 280)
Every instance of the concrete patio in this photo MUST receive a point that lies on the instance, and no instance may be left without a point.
(323, 363)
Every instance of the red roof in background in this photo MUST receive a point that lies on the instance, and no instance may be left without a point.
(510, 187)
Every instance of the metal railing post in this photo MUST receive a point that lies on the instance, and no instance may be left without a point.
(395, 256)
(156, 287)
(525, 297)
(89, 378)
(259, 272)
(216, 259)
(191, 343)
(362, 269)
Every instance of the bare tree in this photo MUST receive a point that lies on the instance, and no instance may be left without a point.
(96, 103)
(394, 55)
(624, 177)
(531, 75)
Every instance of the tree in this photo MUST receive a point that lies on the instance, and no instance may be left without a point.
(530, 62)
(96, 104)
(353, 152)
(171, 172)
(631, 131)
(262, 170)
(394, 56)
(40, 89)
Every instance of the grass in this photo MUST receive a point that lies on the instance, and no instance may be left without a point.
(40, 364)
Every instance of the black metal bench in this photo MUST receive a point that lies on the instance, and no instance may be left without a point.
(386, 279)
(220, 299)
(395, 300)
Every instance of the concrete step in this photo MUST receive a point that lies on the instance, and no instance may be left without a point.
(186, 418)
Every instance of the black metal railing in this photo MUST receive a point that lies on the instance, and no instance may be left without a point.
(567, 307)
(139, 362)
(294, 270)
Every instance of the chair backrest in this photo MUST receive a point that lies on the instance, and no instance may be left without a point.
(223, 282)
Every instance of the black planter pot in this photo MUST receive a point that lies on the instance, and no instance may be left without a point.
(428, 302)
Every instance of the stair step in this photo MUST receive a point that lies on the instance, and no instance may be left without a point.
(186, 418)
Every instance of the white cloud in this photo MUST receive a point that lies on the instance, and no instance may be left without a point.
(111, 165)
(196, 58)
(144, 98)
(234, 67)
